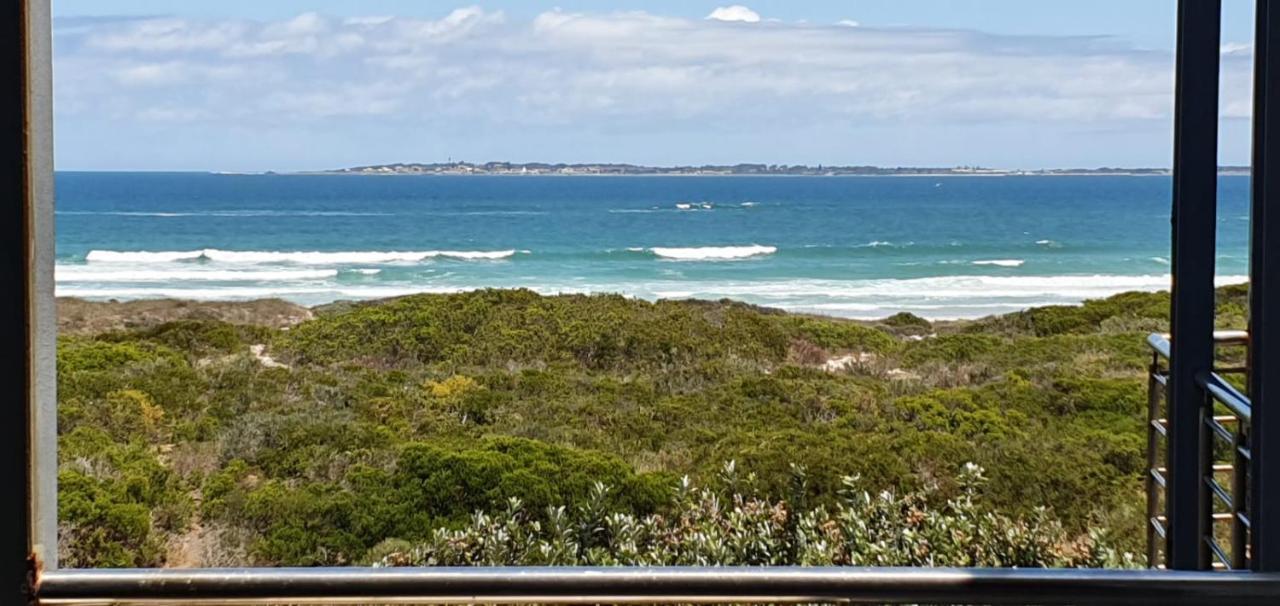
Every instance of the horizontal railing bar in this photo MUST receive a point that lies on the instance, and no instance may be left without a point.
(1160, 343)
(1161, 378)
(654, 585)
(1217, 467)
(1244, 519)
(1227, 395)
(1217, 516)
(1232, 370)
(1220, 517)
(1231, 337)
(1158, 476)
(1244, 452)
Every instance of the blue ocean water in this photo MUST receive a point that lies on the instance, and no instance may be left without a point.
(848, 246)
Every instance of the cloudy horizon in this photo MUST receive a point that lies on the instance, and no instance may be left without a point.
(734, 84)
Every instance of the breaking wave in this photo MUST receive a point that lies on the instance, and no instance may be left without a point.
(714, 253)
(300, 258)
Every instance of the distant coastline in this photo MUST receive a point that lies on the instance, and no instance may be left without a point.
(749, 170)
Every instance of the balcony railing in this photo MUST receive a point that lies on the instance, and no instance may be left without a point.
(1225, 416)
(677, 585)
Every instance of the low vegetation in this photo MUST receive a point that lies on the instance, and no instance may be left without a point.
(500, 427)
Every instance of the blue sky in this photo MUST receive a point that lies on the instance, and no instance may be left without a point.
(288, 85)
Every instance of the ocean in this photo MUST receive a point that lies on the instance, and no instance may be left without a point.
(859, 247)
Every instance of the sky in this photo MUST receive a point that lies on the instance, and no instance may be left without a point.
(247, 85)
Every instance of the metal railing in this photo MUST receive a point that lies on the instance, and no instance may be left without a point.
(655, 586)
(1225, 417)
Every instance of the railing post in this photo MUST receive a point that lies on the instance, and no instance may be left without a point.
(1239, 499)
(1206, 443)
(1195, 181)
(16, 534)
(1264, 296)
(1154, 490)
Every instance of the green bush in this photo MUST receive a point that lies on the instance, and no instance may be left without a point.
(116, 502)
(710, 528)
(401, 420)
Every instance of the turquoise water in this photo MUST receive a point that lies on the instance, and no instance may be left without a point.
(855, 247)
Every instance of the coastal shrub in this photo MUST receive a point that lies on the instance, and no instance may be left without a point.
(100, 527)
(302, 444)
(116, 502)
(125, 415)
(431, 486)
(837, 335)
(906, 324)
(706, 527)
(402, 419)
(1083, 394)
(196, 337)
(1126, 312)
(960, 412)
(89, 370)
(86, 355)
(950, 349)
(492, 327)
(449, 484)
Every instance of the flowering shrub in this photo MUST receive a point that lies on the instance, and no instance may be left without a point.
(705, 527)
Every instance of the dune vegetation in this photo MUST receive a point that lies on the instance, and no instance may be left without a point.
(504, 427)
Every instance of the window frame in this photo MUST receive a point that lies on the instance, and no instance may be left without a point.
(29, 570)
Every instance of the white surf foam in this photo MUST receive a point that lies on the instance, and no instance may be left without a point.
(1001, 262)
(304, 295)
(301, 258)
(97, 274)
(227, 213)
(111, 256)
(714, 253)
(934, 297)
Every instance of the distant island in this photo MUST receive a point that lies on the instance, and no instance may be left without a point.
(542, 168)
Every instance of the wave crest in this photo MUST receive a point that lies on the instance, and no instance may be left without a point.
(713, 253)
(300, 258)
(1001, 262)
(85, 273)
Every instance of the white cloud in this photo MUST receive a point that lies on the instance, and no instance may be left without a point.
(163, 35)
(153, 74)
(737, 12)
(367, 21)
(1237, 48)
(848, 23)
(606, 70)
(171, 114)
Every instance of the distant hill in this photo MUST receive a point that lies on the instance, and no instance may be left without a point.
(543, 168)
